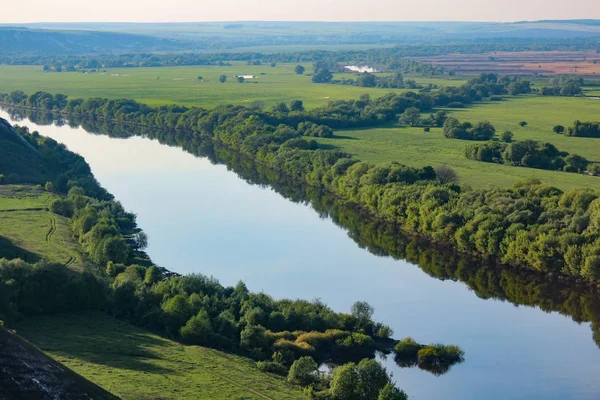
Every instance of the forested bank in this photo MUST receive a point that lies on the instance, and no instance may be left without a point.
(288, 337)
(551, 293)
(530, 225)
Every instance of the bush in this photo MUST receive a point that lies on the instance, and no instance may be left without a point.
(303, 371)
(197, 330)
(62, 207)
(446, 175)
(506, 137)
(523, 124)
(594, 169)
(407, 349)
(272, 367)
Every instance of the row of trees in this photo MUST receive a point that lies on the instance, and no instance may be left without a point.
(583, 129)
(563, 86)
(379, 56)
(551, 293)
(527, 153)
(531, 225)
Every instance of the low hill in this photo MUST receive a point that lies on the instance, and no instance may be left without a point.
(41, 41)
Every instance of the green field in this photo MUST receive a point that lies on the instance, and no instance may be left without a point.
(413, 146)
(135, 364)
(27, 227)
(180, 85)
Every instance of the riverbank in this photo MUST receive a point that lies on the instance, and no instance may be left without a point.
(469, 220)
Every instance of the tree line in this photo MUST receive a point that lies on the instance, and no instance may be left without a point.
(529, 225)
(550, 293)
(528, 153)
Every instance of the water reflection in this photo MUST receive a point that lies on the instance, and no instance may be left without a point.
(481, 328)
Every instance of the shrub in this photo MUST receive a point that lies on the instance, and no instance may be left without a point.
(446, 175)
(594, 169)
(62, 207)
(197, 330)
(272, 367)
(407, 348)
(523, 124)
(303, 371)
(506, 137)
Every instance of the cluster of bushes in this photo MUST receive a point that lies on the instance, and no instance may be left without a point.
(550, 230)
(563, 86)
(454, 129)
(583, 129)
(527, 153)
(435, 358)
(367, 380)
(394, 81)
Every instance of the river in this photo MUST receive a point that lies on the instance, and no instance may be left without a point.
(202, 217)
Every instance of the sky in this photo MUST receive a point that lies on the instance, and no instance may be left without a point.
(21, 11)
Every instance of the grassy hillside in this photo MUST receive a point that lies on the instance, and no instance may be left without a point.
(414, 147)
(135, 364)
(31, 232)
(180, 85)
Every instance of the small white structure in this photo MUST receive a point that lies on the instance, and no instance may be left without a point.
(246, 76)
(361, 69)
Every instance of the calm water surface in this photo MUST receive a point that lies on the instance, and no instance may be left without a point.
(203, 218)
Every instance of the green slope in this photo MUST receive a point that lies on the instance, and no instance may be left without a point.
(135, 364)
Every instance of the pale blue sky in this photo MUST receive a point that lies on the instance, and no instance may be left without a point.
(294, 10)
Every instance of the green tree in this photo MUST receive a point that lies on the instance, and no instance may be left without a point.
(362, 310)
(49, 187)
(344, 383)
(197, 329)
(483, 130)
(296, 105)
(411, 116)
(506, 137)
(303, 371)
(254, 337)
(372, 377)
(2, 179)
(523, 124)
(558, 129)
(391, 392)
(241, 79)
(446, 175)
(223, 78)
(299, 69)
(153, 275)
(322, 76)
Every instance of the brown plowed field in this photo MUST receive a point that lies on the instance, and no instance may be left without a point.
(521, 63)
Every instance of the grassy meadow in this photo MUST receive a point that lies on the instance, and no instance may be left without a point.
(135, 364)
(180, 85)
(413, 146)
(29, 231)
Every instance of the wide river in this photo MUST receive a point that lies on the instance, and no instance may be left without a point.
(202, 217)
